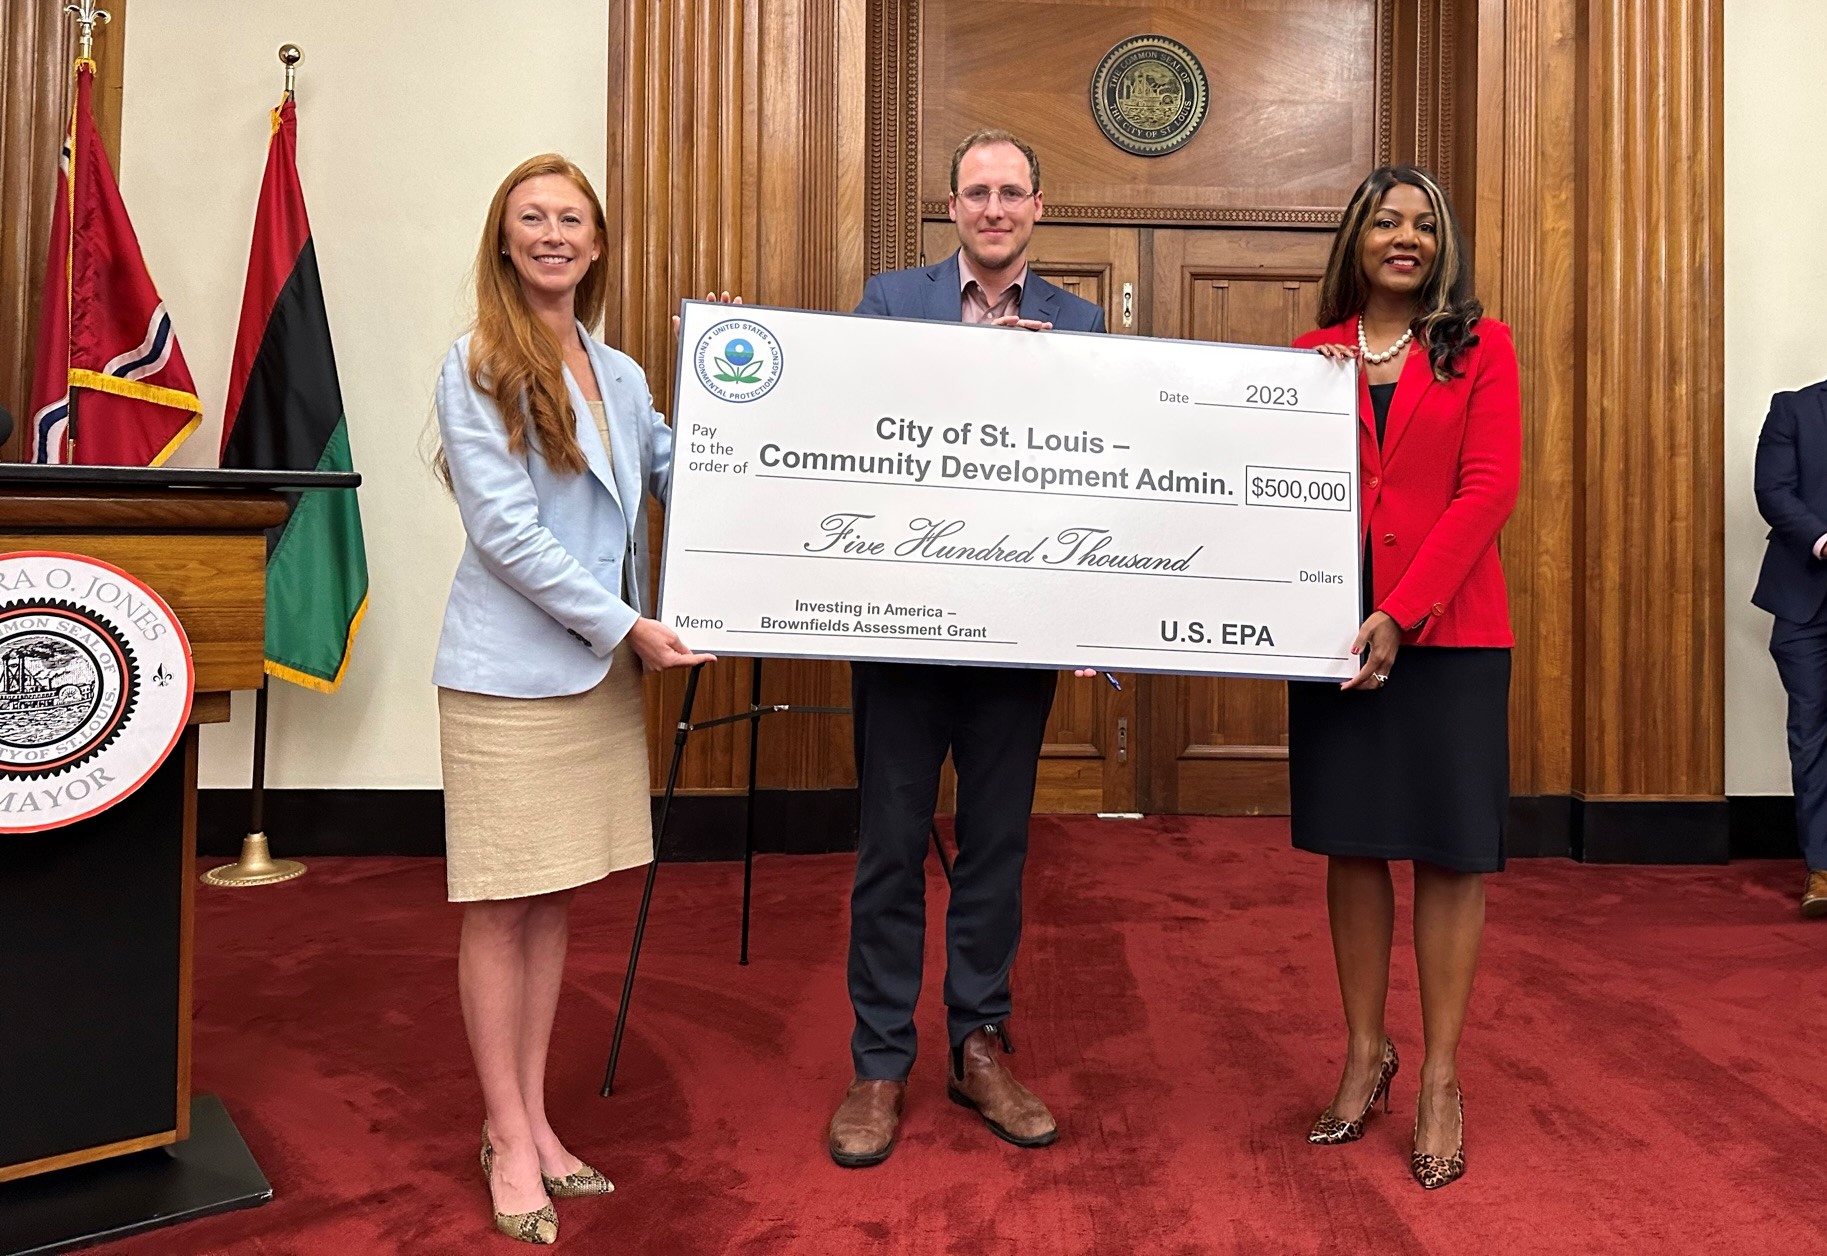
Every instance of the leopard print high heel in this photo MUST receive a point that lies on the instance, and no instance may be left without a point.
(1433, 1172)
(539, 1226)
(1330, 1131)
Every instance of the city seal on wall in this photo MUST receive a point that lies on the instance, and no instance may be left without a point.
(96, 681)
(1149, 95)
(738, 360)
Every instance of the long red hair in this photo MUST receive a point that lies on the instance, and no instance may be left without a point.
(513, 357)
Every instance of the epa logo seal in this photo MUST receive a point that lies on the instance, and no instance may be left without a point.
(738, 360)
(95, 688)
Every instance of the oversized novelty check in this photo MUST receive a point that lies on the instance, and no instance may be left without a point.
(866, 488)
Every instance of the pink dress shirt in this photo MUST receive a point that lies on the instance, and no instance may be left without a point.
(975, 304)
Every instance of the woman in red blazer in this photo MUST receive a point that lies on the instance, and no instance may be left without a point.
(1409, 759)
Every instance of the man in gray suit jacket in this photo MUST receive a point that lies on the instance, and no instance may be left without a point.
(990, 719)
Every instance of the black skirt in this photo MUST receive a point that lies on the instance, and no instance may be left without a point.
(1419, 769)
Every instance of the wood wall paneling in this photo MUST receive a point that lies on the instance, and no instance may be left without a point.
(1580, 139)
(737, 162)
(1530, 255)
(1220, 746)
(33, 68)
(681, 203)
(812, 255)
(1436, 58)
(1287, 134)
(1650, 479)
(1599, 192)
(110, 67)
(36, 49)
(893, 138)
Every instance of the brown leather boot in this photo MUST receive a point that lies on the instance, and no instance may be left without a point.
(1814, 894)
(978, 1081)
(862, 1129)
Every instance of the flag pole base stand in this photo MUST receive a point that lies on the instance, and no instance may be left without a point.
(256, 867)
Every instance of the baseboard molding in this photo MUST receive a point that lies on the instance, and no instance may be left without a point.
(787, 822)
(1539, 826)
(1763, 826)
(306, 823)
(1606, 831)
(303, 823)
(1661, 832)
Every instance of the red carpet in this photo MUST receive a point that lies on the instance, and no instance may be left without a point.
(1644, 1073)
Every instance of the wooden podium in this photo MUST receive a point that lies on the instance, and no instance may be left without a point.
(97, 917)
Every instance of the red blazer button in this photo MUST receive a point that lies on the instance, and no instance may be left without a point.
(1439, 609)
(1389, 538)
(1372, 482)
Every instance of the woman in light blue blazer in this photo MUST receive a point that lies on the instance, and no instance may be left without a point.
(551, 446)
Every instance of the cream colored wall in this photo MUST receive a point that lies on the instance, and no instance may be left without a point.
(410, 114)
(1776, 277)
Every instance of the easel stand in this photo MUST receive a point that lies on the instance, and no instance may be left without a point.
(682, 730)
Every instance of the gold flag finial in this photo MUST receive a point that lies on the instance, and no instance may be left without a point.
(289, 56)
(88, 17)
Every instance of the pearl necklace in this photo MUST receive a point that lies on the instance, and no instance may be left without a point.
(1377, 359)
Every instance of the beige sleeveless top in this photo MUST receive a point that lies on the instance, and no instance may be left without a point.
(601, 415)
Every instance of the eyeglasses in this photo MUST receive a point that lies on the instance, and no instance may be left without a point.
(977, 197)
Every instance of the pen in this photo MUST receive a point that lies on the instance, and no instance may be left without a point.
(1114, 682)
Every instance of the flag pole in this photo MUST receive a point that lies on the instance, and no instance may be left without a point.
(289, 56)
(257, 865)
(88, 17)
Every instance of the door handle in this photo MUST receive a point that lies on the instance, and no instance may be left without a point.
(1129, 305)
(1123, 739)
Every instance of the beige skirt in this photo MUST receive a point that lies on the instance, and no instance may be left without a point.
(544, 794)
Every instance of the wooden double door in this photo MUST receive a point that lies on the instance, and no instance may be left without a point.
(1172, 744)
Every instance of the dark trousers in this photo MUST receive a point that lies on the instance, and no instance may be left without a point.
(1800, 651)
(992, 720)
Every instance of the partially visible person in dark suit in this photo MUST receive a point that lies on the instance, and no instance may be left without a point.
(1791, 482)
(990, 719)
(1409, 760)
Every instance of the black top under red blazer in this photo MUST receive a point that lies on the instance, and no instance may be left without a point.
(1438, 490)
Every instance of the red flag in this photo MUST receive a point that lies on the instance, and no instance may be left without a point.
(105, 341)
